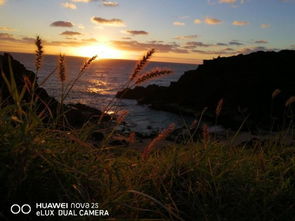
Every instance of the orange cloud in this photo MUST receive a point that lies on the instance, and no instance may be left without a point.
(4, 28)
(240, 23)
(178, 23)
(212, 21)
(108, 22)
(110, 3)
(265, 25)
(71, 33)
(69, 5)
(197, 21)
(228, 1)
(84, 1)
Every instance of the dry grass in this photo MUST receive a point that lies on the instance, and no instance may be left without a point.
(161, 136)
(141, 64)
(156, 73)
(39, 53)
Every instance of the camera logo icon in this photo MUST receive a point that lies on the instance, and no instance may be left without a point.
(24, 209)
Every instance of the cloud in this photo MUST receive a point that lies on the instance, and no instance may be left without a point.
(81, 26)
(28, 40)
(2, 2)
(4, 28)
(6, 37)
(11, 38)
(108, 22)
(197, 21)
(61, 24)
(69, 5)
(140, 46)
(70, 33)
(251, 50)
(212, 21)
(110, 3)
(227, 1)
(186, 37)
(265, 25)
(178, 23)
(221, 44)
(240, 23)
(236, 43)
(218, 52)
(83, 1)
(231, 1)
(261, 42)
(195, 44)
(65, 43)
(89, 40)
(136, 32)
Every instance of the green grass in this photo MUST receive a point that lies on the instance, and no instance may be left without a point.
(176, 182)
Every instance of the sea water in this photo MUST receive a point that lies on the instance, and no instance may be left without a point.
(98, 86)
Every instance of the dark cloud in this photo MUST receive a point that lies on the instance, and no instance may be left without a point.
(235, 43)
(139, 46)
(261, 42)
(228, 49)
(219, 52)
(186, 37)
(70, 33)
(11, 38)
(251, 50)
(221, 44)
(28, 40)
(62, 24)
(109, 22)
(195, 44)
(137, 32)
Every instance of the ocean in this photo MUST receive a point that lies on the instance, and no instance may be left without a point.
(102, 80)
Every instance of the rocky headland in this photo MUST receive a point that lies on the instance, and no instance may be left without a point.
(245, 83)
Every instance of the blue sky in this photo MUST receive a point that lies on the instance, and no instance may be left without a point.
(180, 30)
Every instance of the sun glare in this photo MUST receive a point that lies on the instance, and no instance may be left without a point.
(102, 51)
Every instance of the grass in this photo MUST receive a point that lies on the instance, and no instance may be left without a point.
(176, 182)
(204, 180)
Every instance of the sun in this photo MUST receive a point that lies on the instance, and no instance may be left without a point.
(102, 51)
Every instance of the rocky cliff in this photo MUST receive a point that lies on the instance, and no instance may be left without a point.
(244, 82)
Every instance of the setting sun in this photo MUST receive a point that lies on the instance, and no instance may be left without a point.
(102, 51)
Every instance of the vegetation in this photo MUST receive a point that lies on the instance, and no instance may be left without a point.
(204, 180)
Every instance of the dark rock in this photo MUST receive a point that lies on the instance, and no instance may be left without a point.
(245, 82)
(97, 136)
(116, 142)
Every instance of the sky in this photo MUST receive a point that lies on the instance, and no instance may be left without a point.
(184, 31)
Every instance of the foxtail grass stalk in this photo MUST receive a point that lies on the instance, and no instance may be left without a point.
(141, 64)
(70, 86)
